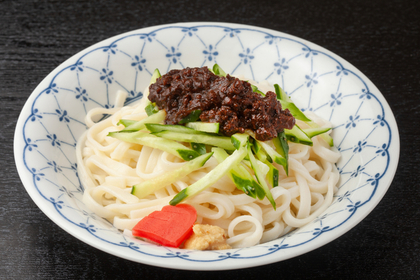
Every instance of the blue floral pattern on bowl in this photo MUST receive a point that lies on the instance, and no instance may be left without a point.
(319, 81)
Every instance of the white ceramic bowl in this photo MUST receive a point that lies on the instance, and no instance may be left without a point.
(52, 120)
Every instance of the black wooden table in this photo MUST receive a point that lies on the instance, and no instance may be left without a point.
(381, 38)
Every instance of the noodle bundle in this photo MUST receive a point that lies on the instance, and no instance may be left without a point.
(109, 167)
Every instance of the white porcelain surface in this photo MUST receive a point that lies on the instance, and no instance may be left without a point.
(52, 119)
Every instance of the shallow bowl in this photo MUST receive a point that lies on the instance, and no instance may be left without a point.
(364, 130)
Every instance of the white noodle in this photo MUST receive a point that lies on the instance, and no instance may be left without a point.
(109, 167)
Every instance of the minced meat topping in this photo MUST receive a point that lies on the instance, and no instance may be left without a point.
(226, 100)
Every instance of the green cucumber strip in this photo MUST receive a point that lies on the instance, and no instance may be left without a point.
(246, 162)
(199, 148)
(239, 139)
(327, 138)
(280, 142)
(151, 109)
(287, 103)
(220, 155)
(312, 132)
(260, 154)
(242, 179)
(203, 138)
(294, 110)
(210, 178)
(204, 126)
(152, 127)
(281, 95)
(192, 117)
(126, 123)
(150, 140)
(155, 76)
(273, 175)
(218, 71)
(155, 118)
(255, 89)
(249, 187)
(275, 156)
(150, 186)
(296, 135)
(260, 177)
(263, 167)
(256, 147)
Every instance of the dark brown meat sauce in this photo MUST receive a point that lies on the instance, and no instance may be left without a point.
(226, 100)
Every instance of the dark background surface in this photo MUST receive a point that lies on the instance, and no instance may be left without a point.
(380, 38)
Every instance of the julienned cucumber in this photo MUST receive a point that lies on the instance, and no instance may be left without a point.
(199, 148)
(169, 127)
(276, 157)
(240, 176)
(150, 140)
(312, 132)
(282, 147)
(156, 75)
(136, 126)
(294, 110)
(296, 135)
(255, 89)
(256, 147)
(190, 128)
(303, 136)
(273, 175)
(260, 153)
(192, 117)
(260, 177)
(281, 95)
(149, 107)
(287, 103)
(126, 123)
(211, 177)
(239, 139)
(204, 126)
(327, 138)
(217, 70)
(203, 138)
(150, 186)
